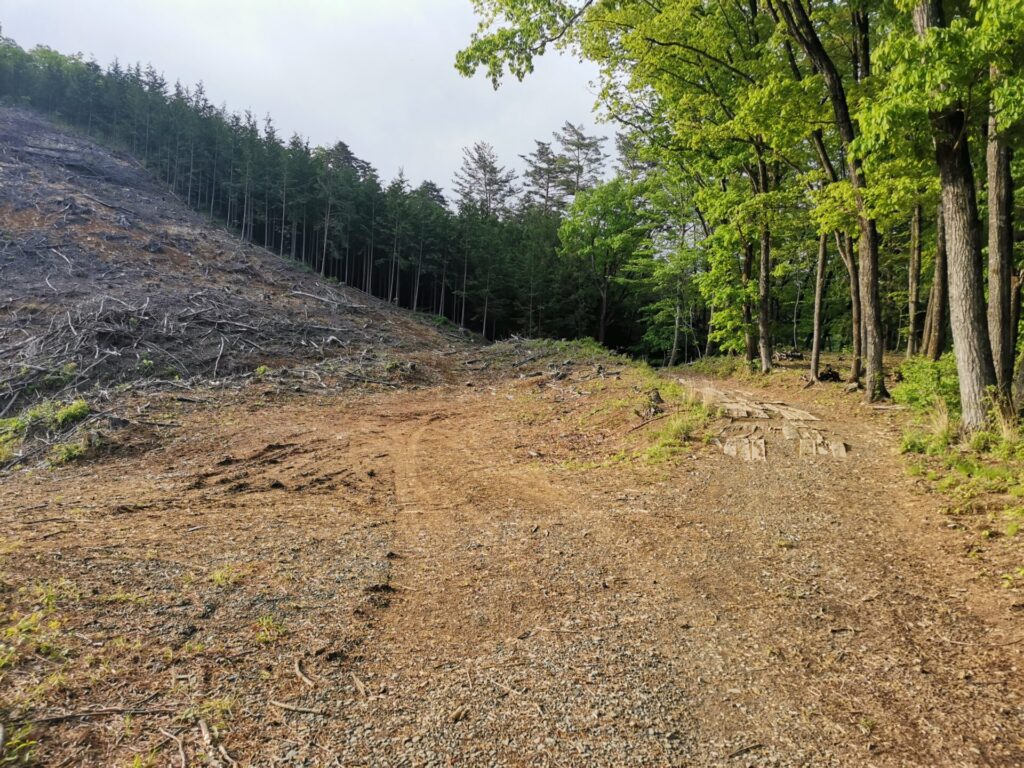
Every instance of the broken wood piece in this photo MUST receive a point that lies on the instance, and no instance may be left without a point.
(293, 708)
(302, 675)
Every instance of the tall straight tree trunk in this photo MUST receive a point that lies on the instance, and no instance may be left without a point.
(1000, 255)
(967, 315)
(913, 280)
(327, 224)
(284, 211)
(465, 274)
(748, 312)
(845, 247)
(934, 342)
(797, 15)
(416, 282)
(871, 311)
(965, 268)
(675, 336)
(764, 331)
(819, 293)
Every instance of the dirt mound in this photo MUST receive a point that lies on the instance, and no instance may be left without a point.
(107, 278)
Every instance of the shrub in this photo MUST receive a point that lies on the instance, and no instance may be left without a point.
(926, 381)
(71, 414)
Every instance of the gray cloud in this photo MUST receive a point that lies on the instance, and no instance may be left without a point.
(377, 74)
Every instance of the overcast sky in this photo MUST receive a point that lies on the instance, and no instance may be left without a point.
(377, 74)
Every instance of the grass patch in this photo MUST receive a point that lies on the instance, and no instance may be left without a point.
(677, 431)
(270, 629)
(18, 747)
(722, 367)
(227, 576)
(48, 416)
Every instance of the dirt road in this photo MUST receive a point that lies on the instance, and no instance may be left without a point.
(467, 575)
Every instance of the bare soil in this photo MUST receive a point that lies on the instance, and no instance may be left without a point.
(474, 575)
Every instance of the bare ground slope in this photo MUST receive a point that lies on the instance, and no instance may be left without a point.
(469, 575)
(107, 279)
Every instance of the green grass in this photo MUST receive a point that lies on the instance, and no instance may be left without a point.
(270, 629)
(66, 453)
(722, 367)
(46, 416)
(678, 430)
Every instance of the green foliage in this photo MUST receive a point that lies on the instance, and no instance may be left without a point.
(71, 414)
(925, 381)
(677, 431)
(66, 453)
(19, 747)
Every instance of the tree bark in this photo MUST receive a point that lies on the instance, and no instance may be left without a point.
(819, 290)
(764, 332)
(913, 280)
(934, 342)
(965, 266)
(748, 313)
(1000, 256)
(856, 335)
(675, 337)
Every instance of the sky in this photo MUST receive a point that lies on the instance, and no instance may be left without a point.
(376, 74)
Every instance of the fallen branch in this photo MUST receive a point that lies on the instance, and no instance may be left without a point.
(302, 675)
(181, 747)
(293, 708)
(106, 711)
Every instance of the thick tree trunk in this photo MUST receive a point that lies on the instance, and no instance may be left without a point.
(871, 311)
(913, 280)
(764, 332)
(965, 268)
(819, 291)
(1000, 257)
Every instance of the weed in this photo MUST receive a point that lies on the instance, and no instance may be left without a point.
(270, 629)
(149, 760)
(217, 711)
(679, 428)
(65, 453)
(227, 576)
(1010, 579)
(19, 747)
(124, 596)
(261, 371)
(49, 593)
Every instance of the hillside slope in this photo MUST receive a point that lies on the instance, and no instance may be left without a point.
(106, 278)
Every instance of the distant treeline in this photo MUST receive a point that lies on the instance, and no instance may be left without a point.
(485, 257)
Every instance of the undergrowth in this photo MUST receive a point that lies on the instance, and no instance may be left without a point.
(981, 474)
(48, 416)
